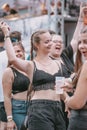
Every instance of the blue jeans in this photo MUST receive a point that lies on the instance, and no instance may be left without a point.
(19, 111)
(78, 120)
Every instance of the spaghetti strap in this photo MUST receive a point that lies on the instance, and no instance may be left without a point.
(60, 66)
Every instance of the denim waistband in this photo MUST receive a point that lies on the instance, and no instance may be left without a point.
(44, 101)
(79, 112)
(19, 101)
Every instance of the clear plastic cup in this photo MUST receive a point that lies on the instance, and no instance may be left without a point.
(59, 83)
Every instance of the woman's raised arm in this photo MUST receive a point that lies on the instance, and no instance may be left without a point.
(19, 63)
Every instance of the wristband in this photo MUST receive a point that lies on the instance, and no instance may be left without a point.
(9, 118)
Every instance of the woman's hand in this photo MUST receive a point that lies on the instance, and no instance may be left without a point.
(5, 28)
(67, 87)
(83, 6)
(11, 125)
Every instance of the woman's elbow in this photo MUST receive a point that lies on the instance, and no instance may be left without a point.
(12, 60)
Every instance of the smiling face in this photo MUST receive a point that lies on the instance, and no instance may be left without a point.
(19, 52)
(42, 42)
(45, 42)
(82, 45)
(57, 46)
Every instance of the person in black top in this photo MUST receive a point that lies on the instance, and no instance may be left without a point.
(65, 55)
(8, 10)
(45, 111)
(15, 86)
(15, 37)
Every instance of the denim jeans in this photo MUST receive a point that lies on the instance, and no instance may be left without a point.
(78, 120)
(3, 116)
(45, 115)
(19, 111)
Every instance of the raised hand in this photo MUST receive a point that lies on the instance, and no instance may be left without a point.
(83, 12)
(5, 28)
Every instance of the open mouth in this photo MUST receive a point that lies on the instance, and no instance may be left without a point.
(57, 48)
(84, 53)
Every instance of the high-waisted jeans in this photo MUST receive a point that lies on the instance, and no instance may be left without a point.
(19, 111)
(45, 115)
(78, 120)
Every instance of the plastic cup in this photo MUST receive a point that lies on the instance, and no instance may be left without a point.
(59, 83)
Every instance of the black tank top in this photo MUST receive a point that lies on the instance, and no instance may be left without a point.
(21, 82)
(43, 80)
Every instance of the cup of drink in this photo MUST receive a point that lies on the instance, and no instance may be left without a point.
(59, 84)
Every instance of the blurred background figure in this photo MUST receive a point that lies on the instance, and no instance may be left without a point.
(15, 36)
(2, 67)
(8, 10)
(52, 4)
(1, 41)
(59, 6)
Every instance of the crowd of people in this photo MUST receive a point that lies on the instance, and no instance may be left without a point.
(28, 86)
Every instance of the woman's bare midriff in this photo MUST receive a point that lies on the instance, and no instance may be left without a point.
(20, 96)
(46, 94)
(42, 94)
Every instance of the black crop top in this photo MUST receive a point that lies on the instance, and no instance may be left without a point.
(21, 82)
(43, 80)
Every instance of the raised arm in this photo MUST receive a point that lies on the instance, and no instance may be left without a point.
(80, 25)
(79, 99)
(20, 64)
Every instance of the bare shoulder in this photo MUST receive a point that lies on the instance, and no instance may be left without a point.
(8, 72)
(30, 68)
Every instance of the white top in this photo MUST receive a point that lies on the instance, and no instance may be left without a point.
(3, 65)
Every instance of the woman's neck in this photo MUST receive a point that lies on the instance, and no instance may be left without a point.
(42, 57)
